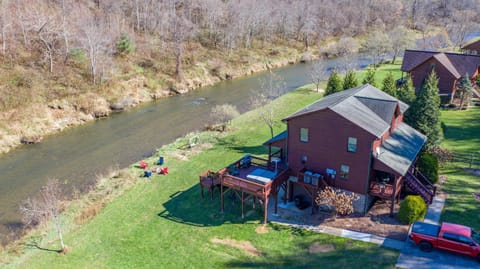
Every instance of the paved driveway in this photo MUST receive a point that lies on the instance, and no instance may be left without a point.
(412, 257)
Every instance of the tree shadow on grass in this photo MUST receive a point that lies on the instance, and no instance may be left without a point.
(234, 145)
(188, 207)
(34, 242)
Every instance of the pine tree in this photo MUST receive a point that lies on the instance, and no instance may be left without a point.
(406, 93)
(389, 85)
(370, 78)
(465, 89)
(350, 80)
(334, 83)
(426, 111)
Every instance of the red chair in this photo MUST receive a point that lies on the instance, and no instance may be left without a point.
(164, 171)
(143, 164)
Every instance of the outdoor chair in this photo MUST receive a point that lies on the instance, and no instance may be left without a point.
(232, 170)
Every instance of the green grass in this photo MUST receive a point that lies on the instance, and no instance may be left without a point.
(461, 134)
(382, 71)
(163, 223)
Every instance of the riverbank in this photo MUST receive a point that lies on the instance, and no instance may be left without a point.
(31, 122)
(163, 221)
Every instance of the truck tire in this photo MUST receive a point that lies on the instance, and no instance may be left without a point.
(425, 246)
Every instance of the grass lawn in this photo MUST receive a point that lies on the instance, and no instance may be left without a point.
(461, 134)
(162, 222)
(382, 72)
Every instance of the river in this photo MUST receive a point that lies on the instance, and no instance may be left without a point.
(76, 155)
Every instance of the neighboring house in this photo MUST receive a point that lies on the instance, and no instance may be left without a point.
(357, 141)
(450, 68)
(472, 47)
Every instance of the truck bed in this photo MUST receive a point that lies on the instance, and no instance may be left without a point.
(425, 229)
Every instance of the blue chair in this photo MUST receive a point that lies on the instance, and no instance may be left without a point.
(160, 160)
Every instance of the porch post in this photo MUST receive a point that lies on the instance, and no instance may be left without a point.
(269, 153)
(243, 206)
(221, 194)
(392, 206)
(275, 196)
(265, 210)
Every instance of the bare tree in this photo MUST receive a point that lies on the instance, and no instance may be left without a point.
(5, 23)
(401, 39)
(377, 45)
(223, 114)
(49, 35)
(95, 41)
(47, 205)
(270, 88)
(318, 73)
(459, 25)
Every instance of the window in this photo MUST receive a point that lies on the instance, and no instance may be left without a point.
(344, 170)
(352, 144)
(304, 134)
(450, 236)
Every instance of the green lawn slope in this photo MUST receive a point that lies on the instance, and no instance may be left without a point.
(162, 222)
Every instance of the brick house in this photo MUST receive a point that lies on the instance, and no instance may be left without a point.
(354, 140)
(450, 68)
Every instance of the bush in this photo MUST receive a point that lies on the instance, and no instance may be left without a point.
(427, 164)
(413, 208)
(125, 45)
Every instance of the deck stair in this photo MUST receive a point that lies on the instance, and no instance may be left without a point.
(421, 185)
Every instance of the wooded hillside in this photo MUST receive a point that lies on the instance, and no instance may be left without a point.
(66, 61)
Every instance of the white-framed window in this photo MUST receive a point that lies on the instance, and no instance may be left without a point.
(304, 134)
(352, 144)
(344, 171)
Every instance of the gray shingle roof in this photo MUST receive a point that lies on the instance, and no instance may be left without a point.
(401, 147)
(366, 106)
(458, 64)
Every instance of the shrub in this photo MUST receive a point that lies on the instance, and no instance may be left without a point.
(413, 208)
(125, 45)
(428, 166)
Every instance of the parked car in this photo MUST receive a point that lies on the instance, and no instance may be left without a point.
(447, 236)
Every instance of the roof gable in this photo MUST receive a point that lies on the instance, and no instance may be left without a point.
(445, 61)
(456, 63)
(365, 106)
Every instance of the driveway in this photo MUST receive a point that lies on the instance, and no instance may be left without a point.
(412, 257)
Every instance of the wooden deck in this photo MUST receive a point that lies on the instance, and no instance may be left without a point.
(381, 190)
(235, 177)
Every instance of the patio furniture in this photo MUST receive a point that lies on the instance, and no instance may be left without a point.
(233, 170)
(143, 164)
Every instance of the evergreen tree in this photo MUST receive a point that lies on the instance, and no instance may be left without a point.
(370, 78)
(465, 90)
(334, 83)
(426, 111)
(406, 93)
(350, 80)
(389, 85)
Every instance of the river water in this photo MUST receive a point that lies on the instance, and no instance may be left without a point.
(75, 156)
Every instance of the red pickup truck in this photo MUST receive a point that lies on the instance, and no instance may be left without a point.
(448, 236)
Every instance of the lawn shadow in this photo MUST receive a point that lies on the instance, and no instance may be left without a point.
(238, 147)
(188, 207)
(35, 243)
